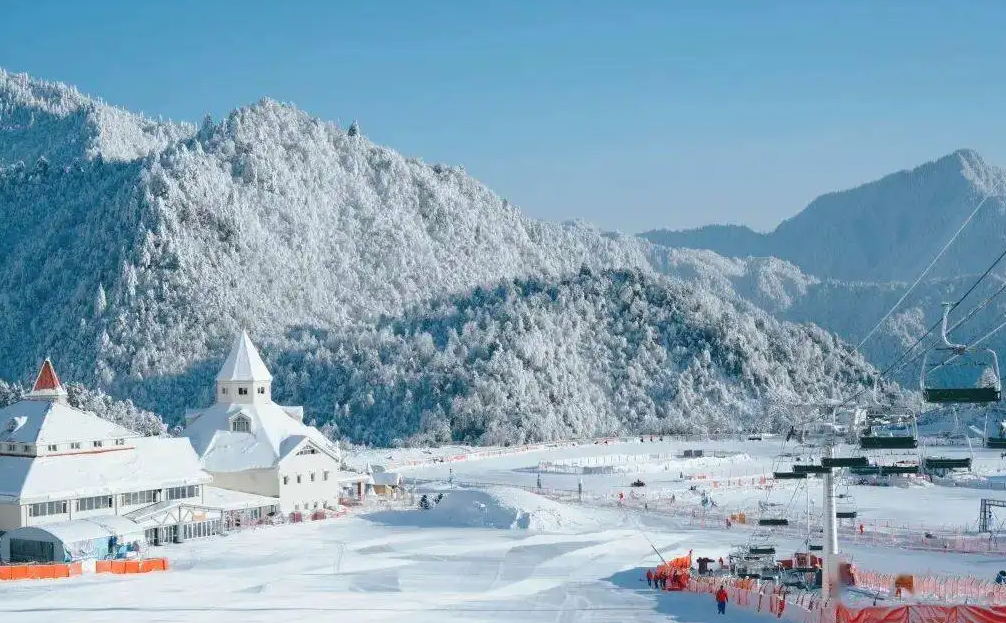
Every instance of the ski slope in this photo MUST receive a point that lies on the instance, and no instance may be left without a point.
(489, 554)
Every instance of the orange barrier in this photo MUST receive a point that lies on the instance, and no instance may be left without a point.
(39, 572)
(124, 567)
(922, 613)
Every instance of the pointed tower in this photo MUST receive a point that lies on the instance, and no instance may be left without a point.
(244, 379)
(47, 385)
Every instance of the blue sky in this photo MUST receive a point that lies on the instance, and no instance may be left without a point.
(633, 115)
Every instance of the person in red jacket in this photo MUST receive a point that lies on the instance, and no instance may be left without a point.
(649, 578)
(721, 600)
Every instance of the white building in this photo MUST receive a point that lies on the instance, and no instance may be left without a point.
(59, 464)
(249, 443)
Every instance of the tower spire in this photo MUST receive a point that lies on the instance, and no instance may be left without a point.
(47, 385)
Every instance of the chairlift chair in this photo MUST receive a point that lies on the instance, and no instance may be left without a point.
(845, 505)
(990, 385)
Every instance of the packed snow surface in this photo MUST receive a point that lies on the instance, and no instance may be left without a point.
(497, 554)
(495, 507)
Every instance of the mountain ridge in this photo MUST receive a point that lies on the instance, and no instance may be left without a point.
(136, 251)
(888, 229)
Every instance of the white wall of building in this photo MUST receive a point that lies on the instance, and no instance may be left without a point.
(258, 481)
(307, 493)
(10, 516)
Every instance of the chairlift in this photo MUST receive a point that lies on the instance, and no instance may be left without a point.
(989, 387)
(845, 505)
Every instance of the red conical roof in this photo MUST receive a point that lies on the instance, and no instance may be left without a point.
(47, 379)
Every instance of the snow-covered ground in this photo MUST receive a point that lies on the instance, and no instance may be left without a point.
(495, 553)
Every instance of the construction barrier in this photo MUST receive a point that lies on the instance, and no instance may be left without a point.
(922, 613)
(123, 567)
(39, 572)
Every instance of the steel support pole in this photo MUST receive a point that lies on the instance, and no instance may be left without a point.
(830, 581)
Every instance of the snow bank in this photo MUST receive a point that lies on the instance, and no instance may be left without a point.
(504, 508)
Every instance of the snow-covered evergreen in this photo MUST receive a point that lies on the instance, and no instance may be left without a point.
(135, 251)
(121, 412)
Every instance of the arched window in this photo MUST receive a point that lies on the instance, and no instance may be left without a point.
(240, 424)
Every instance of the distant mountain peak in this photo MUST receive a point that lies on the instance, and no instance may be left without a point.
(885, 230)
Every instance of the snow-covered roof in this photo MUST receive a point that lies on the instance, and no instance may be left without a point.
(151, 463)
(44, 422)
(387, 478)
(228, 500)
(244, 363)
(274, 435)
(78, 530)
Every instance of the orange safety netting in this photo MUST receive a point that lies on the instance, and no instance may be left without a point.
(923, 613)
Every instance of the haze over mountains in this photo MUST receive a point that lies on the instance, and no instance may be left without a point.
(398, 300)
(854, 253)
(887, 230)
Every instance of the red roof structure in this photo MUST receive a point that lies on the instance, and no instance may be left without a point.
(47, 381)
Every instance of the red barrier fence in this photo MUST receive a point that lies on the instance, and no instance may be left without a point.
(922, 613)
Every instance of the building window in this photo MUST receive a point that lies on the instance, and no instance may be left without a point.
(11, 447)
(180, 493)
(138, 497)
(260, 390)
(242, 391)
(26, 448)
(286, 480)
(312, 476)
(52, 447)
(96, 444)
(120, 442)
(298, 479)
(324, 476)
(307, 450)
(75, 445)
(296, 507)
(223, 390)
(241, 424)
(94, 503)
(47, 508)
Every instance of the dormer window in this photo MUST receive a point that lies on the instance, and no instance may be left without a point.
(241, 424)
(242, 391)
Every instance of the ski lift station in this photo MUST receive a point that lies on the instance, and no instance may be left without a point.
(75, 486)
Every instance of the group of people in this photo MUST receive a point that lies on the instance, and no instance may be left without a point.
(658, 579)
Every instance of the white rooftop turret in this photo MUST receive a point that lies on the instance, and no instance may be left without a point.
(244, 379)
(244, 362)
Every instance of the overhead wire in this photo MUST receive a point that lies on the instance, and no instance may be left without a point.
(925, 272)
(936, 325)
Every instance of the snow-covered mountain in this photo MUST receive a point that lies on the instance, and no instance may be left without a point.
(133, 251)
(853, 254)
(594, 353)
(887, 230)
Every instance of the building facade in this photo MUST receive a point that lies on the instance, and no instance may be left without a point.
(59, 463)
(250, 444)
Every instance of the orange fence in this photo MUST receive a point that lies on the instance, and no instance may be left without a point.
(145, 565)
(762, 597)
(922, 613)
(39, 572)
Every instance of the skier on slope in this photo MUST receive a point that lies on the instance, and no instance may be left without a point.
(649, 578)
(721, 600)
